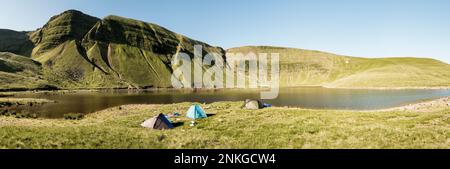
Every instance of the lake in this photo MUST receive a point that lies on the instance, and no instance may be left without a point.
(305, 97)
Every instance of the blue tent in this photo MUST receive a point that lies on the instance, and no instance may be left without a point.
(195, 112)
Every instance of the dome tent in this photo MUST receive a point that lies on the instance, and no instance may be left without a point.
(159, 122)
(253, 104)
(196, 112)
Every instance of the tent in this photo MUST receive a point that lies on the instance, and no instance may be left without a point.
(159, 122)
(195, 112)
(253, 104)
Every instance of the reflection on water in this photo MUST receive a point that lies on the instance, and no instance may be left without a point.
(309, 97)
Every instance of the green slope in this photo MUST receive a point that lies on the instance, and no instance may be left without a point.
(19, 72)
(15, 42)
(67, 26)
(80, 51)
(300, 67)
(76, 50)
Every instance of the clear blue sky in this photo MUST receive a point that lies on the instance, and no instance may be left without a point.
(381, 28)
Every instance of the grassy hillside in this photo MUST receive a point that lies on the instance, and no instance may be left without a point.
(15, 42)
(67, 26)
(80, 51)
(19, 72)
(300, 67)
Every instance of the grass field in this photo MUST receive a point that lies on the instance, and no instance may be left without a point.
(229, 126)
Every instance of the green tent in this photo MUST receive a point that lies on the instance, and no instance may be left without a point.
(195, 112)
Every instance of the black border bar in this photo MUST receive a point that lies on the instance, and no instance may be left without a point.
(283, 158)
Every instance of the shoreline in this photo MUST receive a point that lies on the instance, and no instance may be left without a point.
(261, 88)
(419, 105)
(423, 106)
(391, 88)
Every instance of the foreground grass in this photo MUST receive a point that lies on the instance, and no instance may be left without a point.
(233, 127)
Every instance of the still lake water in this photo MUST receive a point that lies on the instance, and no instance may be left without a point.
(305, 97)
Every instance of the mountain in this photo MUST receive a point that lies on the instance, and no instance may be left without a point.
(15, 42)
(68, 26)
(74, 50)
(299, 67)
(80, 51)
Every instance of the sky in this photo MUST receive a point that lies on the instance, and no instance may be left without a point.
(365, 28)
